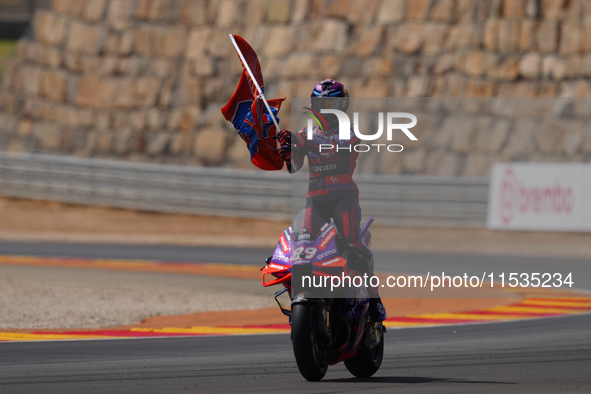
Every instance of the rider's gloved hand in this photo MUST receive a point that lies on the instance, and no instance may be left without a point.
(284, 137)
(285, 152)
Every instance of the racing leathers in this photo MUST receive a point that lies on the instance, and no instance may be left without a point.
(332, 193)
(331, 189)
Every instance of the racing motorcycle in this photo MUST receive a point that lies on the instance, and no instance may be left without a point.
(327, 327)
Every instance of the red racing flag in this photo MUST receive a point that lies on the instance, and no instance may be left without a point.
(249, 116)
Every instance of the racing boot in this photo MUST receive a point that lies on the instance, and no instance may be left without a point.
(377, 310)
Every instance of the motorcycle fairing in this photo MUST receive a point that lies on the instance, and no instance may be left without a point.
(319, 253)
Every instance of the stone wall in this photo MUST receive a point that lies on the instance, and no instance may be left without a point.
(144, 80)
(466, 135)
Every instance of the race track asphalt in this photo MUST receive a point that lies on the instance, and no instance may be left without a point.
(535, 356)
(544, 356)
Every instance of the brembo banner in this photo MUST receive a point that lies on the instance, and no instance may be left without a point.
(540, 196)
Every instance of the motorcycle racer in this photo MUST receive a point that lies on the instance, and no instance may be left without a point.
(331, 189)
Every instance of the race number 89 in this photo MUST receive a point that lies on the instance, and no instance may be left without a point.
(308, 253)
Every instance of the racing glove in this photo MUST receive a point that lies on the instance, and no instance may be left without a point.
(284, 139)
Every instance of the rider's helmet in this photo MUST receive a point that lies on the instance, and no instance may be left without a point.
(330, 94)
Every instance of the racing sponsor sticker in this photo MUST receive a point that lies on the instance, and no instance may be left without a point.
(329, 262)
(328, 167)
(326, 254)
(277, 267)
(304, 236)
(284, 244)
(327, 239)
(280, 258)
(325, 229)
(287, 236)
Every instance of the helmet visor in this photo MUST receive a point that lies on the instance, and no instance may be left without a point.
(319, 103)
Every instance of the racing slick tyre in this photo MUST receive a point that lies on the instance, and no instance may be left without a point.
(367, 361)
(310, 353)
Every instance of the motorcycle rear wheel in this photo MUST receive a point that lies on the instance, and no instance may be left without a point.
(366, 362)
(311, 356)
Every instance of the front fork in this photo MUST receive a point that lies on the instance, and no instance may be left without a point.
(324, 307)
(286, 312)
(324, 326)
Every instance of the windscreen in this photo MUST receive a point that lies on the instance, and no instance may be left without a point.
(307, 221)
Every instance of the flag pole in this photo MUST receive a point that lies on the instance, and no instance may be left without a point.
(256, 84)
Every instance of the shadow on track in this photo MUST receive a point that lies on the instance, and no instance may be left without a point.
(409, 379)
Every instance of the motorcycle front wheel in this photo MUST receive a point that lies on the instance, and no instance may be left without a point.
(310, 352)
